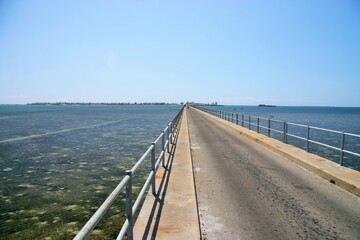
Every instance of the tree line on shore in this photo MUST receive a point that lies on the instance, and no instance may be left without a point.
(118, 103)
(103, 103)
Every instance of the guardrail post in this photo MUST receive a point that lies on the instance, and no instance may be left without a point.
(167, 138)
(307, 139)
(342, 147)
(153, 168)
(285, 132)
(269, 122)
(163, 148)
(237, 119)
(258, 124)
(129, 214)
(242, 120)
(171, 132)
(249, 122)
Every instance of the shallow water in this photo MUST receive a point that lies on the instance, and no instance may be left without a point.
(59, 163)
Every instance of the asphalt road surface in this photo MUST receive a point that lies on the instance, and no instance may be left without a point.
(246, 191)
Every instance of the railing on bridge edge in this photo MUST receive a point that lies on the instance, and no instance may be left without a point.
(246, 120)
(170, 133)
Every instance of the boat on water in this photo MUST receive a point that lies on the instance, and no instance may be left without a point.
(265, 105)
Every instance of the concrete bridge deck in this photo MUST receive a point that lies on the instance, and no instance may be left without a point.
(245, 189)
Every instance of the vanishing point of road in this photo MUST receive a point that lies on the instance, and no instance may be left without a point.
(245, 191)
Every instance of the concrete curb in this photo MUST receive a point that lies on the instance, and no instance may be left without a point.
(173, 213)
(343, 177)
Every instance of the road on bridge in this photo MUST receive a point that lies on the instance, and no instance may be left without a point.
(246, 191)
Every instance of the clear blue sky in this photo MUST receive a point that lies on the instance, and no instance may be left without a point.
(293, 52)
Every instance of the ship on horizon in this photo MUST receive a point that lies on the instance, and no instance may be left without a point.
(265, 105)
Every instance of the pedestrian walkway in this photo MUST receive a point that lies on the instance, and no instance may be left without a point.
(173, 213)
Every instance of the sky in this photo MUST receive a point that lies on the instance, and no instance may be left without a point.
(245, 52)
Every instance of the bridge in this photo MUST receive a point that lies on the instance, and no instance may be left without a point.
(224, 181)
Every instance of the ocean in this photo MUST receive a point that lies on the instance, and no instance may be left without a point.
(59, 163)
(335, 118)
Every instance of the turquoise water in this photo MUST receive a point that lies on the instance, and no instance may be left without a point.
(59, 163)
(336, 118)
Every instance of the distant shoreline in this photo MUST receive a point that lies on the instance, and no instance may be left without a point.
(96, 104)
(116, 104)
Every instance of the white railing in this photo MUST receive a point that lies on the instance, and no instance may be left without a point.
(167, 137)
(254, 123)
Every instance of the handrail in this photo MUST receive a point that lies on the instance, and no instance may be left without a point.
(324, 129)
(246, 120)
(137, 164)
(94, 220)
(170, 133)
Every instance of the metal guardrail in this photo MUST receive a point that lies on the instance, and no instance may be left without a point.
(167, 137)
(253, 123)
